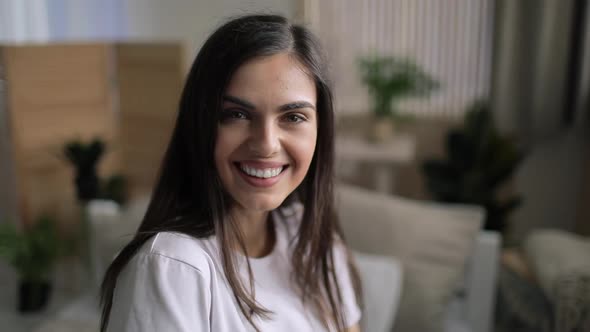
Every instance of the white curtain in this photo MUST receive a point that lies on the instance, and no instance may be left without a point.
(450, 39)
(532, 62)
(23, 21)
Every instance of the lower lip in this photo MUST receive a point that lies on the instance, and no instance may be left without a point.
(260, 182)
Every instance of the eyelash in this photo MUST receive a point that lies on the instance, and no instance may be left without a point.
(233, 114)
(237, 114)
(298, 117)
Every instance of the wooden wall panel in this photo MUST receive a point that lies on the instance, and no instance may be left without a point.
(56, 93)
(59, 92)
(125, 94)
(9, 212)
(58, 74)
(150, 80)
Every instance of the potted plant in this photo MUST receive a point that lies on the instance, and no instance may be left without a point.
(388, 80)
(478, 163)
(84, 157)
(33, 253)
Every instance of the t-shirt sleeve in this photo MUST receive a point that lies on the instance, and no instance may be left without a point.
(352, 311)
(158, 293)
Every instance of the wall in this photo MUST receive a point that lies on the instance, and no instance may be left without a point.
(583, 217)
(531, 54)
(192, 21)
(188, 21)
(45, 110)
(550, 182)
(8, 210)
(449, 39)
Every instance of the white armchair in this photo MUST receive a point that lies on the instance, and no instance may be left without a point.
(470, 309)
(472, 306)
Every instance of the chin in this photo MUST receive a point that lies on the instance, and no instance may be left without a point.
(261, 204)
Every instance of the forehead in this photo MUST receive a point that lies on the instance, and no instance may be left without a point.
(279, 76)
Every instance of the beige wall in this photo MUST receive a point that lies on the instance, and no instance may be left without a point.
(192, 21)
(550, 181)
(450, 40)
(528, 94)
(583, 216)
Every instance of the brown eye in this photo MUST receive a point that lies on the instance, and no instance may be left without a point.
(294, 118)
(233, 114)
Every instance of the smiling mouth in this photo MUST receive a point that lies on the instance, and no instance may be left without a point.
(261, 173)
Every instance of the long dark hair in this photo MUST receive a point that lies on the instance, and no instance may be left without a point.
(189, 197)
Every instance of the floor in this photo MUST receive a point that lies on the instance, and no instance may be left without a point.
(67, 310)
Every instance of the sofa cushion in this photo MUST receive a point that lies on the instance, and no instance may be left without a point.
(432, 241)
(554, 254)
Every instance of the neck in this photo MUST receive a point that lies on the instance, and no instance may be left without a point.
(257, 231)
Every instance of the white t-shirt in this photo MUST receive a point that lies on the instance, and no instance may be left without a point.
(176, 283)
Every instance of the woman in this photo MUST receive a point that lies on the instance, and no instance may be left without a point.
(240, 233)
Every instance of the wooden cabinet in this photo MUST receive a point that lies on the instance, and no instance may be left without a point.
(124, 93)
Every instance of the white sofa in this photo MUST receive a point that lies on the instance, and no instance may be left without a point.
(470, 309)
(385, 275)
(449, 265)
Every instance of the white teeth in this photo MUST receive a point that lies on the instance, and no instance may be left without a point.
(261, 173)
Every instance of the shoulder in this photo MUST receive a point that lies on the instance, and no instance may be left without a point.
(167, 286)
(179, 248)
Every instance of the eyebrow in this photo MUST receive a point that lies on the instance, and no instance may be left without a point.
(287, 107)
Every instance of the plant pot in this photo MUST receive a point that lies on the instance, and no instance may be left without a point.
(87, 184)
(381, 130)
(33, 295)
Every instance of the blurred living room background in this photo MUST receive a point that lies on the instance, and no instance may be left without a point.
(462, 148)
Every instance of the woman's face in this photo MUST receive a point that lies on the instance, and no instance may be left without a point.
(267, 131)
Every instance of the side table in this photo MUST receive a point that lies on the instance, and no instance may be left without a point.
(386, 157)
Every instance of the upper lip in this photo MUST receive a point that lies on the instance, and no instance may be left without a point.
(261, 164)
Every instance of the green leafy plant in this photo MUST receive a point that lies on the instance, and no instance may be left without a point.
(389, 79)
(85, 158)
(34, 251)
(478, 162)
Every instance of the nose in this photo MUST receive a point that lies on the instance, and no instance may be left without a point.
(264, 139)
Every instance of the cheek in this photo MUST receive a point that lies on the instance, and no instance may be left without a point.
(303, 150)
(223, 147)
(218, 151)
